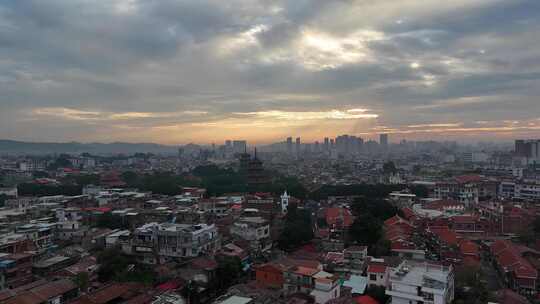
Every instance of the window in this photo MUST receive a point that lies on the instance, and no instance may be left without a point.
(373, 277)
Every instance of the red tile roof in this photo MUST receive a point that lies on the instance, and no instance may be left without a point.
(469, 248)
(446, 235)
(305, 271)
(442, 205)
(365, 300)
(464, 219)
(204, 263)
(170, 285)
(408, 213)
(334, 216)
(465, 179)
(376, 268)
(508, 257)
(43, 292)
(402, 245)
(270, 268)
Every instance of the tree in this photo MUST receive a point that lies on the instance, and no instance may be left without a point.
(377, 207)
(298, 228)
(161, 183)
(130, 178)
(116, 266)
(40, 174)
(228, 272)
(82, 280)
(112, 264)
(419, 190)
(31, 189)
(365, 230)
(389, 168)
(383, 247)
(109, 220)
(470, 288)
(378, 293)
(536, 225)
(87, 179)
(61, 162)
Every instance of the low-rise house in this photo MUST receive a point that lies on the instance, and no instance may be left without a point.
(51, 265)
(15, 270)
(255, 230)
(516, 271)
(270, 275)
(326, 288)
(354, 258)
(57, 292)
(377, 274)
(298, 279)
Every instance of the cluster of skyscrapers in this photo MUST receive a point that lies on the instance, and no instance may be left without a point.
(236, 146)
(528, 149)
(343, 144)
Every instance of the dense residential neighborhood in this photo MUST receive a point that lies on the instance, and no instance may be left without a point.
(216, 226)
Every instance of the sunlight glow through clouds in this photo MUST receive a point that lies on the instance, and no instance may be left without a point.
(333, 114)
(321, 51)
(75, 114)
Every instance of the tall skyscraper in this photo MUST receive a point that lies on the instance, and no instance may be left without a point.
(528, 148)
(326, 144)
(383, 140)
(298, 145)
(239, 146)
(289, 145)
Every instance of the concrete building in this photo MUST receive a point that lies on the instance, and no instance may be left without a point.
(255, 230)
(166, 240)
(383, 140)
(326, 288)
(15, 270)
(529, 150)
(185, 241)
(421, 282)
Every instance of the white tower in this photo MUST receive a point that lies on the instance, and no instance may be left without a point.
(284, 202)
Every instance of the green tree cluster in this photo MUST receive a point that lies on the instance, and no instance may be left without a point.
(31, 189)
(365, 190)
(116, 266)
(378, 293)
(298, 229)
(470, 287)
(367, 228)
(109, 220)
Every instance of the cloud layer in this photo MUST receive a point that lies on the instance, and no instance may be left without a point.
(178, 71)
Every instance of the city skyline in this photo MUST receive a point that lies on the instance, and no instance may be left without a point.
(178, 72)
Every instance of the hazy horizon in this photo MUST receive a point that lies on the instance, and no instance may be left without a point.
(177, 71)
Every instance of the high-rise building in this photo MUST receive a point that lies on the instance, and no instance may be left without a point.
(383, 140)
(289, 145)
(326, 144)
(298, 145)
(528, 148)
(239, 146)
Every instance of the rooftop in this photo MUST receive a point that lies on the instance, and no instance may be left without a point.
(421, 274)
(236, 300)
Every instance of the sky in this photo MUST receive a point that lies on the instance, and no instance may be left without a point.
(201, 71)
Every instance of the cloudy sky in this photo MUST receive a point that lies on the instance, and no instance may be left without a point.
(179, 71)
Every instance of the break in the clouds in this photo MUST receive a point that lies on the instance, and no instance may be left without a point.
(177, 71)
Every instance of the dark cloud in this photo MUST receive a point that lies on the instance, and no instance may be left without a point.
(408, 61)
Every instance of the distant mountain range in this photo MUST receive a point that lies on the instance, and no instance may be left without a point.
(20, 147)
